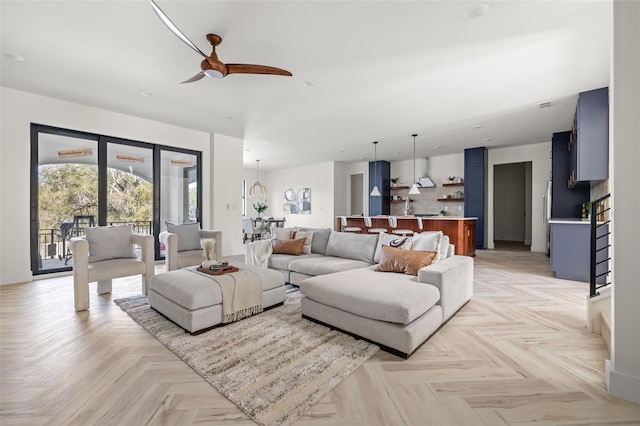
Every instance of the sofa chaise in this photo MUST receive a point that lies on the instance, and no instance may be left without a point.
(343, 289)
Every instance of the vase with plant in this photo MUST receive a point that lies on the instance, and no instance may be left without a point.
(264, 229)
(394, 181)
(260, 207)
(443, 213)
(586, 209)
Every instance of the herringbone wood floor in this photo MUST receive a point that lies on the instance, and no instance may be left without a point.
(518, 353)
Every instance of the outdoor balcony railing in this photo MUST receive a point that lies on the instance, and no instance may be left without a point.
(53, 244)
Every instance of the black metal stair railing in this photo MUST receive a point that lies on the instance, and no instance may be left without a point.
(600, 262)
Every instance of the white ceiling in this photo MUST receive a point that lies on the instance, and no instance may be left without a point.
(383, 70)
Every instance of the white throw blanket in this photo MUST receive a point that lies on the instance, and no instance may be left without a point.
(241, 294)
(258, 253)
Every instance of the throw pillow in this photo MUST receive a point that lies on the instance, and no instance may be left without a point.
(444, 247)
(188, 235)
(320, 239)
(282, 234)
(391, 240)
(293, 247)
(308, 238)
(428, 241)
(109, 242)
(404, 261)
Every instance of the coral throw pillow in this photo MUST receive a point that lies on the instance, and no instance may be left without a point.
(404, 261)
(293, 247)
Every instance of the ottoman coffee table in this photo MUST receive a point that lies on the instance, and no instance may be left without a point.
(193, 300)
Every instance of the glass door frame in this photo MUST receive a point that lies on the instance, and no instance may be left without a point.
(157, 190)
(101, 146)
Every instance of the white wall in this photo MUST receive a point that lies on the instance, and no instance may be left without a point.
(226, 190)
(540, 159)
(319, 177)
(623, 371)
(19, 110)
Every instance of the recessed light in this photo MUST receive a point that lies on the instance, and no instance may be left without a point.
(13, 56)
(436, 147)
(545, 104)
(487, 139)
(229, 117)
(247, 149)
(477, 11)
(476, 126)
(309, 83)
(397, 152)
(146, 94)
(340, 151)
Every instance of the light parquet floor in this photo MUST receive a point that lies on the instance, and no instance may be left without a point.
(517, 354)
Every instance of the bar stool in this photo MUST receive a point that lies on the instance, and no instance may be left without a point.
(345, 228)
(393, 223)
(369, 224)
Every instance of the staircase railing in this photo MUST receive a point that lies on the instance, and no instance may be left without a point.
(600, 262)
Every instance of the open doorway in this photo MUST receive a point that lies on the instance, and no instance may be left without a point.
(512, 206)
(357, 198)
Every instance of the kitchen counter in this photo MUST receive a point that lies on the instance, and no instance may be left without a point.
(571, 221)
(461, 230)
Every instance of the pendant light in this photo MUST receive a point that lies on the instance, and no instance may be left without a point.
(258, 189)
(414, 188)
(375, 192)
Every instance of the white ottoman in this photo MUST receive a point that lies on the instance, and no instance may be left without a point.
(194, 301)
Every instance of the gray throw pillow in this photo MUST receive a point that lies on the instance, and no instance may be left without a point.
(188, 235)
(444, 246)
(109, 242)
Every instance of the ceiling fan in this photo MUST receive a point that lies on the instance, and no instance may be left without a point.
(211, 66)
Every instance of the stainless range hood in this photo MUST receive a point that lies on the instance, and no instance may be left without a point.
(424, 181)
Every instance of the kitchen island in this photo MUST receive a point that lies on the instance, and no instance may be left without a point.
(461, 230)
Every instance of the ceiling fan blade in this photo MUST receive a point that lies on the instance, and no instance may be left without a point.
(255, 69)
(196, 77)
(172, 27)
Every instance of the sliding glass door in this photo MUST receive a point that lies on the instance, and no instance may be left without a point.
(80, 180)
(64, 195)
(130, 185)
(179, 190)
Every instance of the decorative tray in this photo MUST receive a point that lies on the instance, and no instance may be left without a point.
(218, 271)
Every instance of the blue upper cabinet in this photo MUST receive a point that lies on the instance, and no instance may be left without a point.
(475, 190)
(589, 145)
(379, 174)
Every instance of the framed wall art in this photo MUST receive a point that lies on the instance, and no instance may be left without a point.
(297, 201)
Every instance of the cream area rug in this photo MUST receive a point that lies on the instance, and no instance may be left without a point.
(274, 366)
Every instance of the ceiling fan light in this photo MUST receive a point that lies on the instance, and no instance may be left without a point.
(211, 73)
(414, 190)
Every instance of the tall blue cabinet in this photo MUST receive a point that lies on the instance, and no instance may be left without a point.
(565, 202)
(476, 163)
(380, 171)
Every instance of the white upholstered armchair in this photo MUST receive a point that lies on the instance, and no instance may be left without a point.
(183, 247)
(106, 253)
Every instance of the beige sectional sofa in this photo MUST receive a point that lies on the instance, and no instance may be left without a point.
(343, 290)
